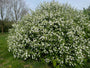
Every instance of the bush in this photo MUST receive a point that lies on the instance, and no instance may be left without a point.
(7, 25)
(51, 33)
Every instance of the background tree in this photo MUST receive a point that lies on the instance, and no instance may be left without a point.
(87, 11)
(17, 9)
(11, 10)
(3, 13)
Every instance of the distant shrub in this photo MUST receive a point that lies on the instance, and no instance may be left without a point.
(53, 33)
(7, 25)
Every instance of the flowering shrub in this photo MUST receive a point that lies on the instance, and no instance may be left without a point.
(53, 32)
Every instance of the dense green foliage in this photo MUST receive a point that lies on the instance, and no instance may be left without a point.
(87, 11)
(54, 33)
(6, 25)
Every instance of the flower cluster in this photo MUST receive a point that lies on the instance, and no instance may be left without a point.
(52, 32)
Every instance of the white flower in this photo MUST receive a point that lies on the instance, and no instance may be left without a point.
(51, 33)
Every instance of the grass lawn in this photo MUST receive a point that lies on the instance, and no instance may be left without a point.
(7, 60)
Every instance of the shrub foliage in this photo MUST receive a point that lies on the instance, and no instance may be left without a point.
(53, 32)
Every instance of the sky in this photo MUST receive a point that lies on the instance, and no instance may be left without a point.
(78, 4)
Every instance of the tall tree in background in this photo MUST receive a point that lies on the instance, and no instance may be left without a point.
(17, 9)
(87, 11)
(3, 12)
(11, 10)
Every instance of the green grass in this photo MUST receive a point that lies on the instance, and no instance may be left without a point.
(7, 60)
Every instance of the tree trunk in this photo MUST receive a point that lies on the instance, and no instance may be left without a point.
(2, 29)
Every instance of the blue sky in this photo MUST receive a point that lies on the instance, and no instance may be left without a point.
(79, 4)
